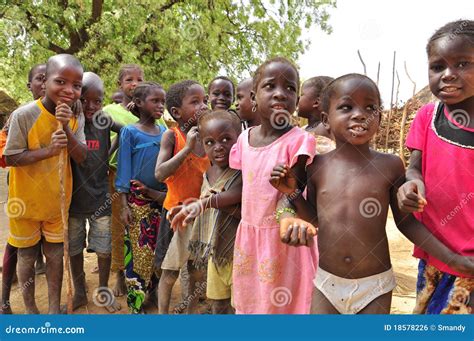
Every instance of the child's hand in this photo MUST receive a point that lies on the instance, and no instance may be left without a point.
(63, 113)
(411, 196)
(192, 137)
(283, 179)
(58, 141)
(181, 216)
(142, 188)
(463, 265)
(295, 231)
(126, 216)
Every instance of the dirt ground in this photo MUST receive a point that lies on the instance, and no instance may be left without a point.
(400, 249)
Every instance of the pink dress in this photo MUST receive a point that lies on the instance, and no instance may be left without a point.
(269, 277)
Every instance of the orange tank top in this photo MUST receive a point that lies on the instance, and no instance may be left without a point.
(186, 182)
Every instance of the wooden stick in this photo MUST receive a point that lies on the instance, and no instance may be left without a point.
(64, 218)
(362, 61)
(391, 103)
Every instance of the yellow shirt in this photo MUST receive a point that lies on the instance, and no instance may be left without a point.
(34, 188)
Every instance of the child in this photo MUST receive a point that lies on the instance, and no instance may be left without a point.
(130, 75)
(141, 195)
(221, 93)
(90, 198)
(35, 86)
(439, 177)
(181, 165)
(267, 275)
(349, 193)
(33, 147)
(213, 234)
(309, 107)
(244, 107)
(117, 97)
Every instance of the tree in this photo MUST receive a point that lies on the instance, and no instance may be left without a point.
(171, 39)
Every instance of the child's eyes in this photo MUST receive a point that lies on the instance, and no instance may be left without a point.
(344, 107)
(77, 86)
(225, 139)
(208, 143)
(437, 67)
(463, 64)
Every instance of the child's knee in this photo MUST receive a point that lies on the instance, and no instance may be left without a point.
(102, 255)
(28, 253)
(53, 252)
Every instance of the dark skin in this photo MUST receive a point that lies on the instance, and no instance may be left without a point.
(244, 103)
(35, 86)
(192, 106)
(218, 137)
(351, 215)
(128, 83)
(92, 100)
(62, 89)
(451, 79)
(221, 94)
(310, 108)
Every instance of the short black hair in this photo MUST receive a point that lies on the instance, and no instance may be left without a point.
(91, 80)
(328, 91)
(258, 73)
(317, 84)
(142, 90)
(230, 116)
(33, 71)
(222, 78)
(176, 93)
(60, 59)
(452, 30)
(124, 69)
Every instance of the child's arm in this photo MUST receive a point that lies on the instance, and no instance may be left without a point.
(125, 214)
(167, 163)
(411, 195)
(418, 234)
(115, 127)
(27, 157)
(114, 145)
(182, 215)
(76, 149)
(148, 192)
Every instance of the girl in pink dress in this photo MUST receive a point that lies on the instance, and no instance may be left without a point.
(270, 277)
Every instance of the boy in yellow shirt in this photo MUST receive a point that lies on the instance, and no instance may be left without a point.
(32, 150)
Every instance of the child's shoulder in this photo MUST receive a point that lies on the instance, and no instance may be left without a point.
(30, 108)
(388, 163)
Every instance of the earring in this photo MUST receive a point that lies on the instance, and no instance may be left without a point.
(254, 107)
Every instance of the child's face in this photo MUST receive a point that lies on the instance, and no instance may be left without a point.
(64, 84)
(218, 136)
(451, 69)
(37, 80)
(92, 101)
(193, 105)
(354, 111)
(117, 97)
(308, 100)
(154, 103)
(221, 94)
(130, 80)
(277, 91)
(244, 102)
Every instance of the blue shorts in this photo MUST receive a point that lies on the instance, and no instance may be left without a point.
(99, 238)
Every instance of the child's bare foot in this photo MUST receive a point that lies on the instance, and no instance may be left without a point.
(120, 288)
(151, 300)
(5, 309)
(79, 300)
(32, 310)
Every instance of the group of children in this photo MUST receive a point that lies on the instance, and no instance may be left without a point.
(269, 218)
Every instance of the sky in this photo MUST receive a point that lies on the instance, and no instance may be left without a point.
(377, 29)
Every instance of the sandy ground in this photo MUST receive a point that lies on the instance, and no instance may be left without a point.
(400, 248)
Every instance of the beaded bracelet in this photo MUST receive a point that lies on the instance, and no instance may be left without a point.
(280, 211)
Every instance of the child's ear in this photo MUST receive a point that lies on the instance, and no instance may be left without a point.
(325, 120)
(175, 113)
(316, 103)
(28, 85)
(138, 102)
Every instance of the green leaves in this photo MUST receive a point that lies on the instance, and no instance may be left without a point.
(171, 39)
